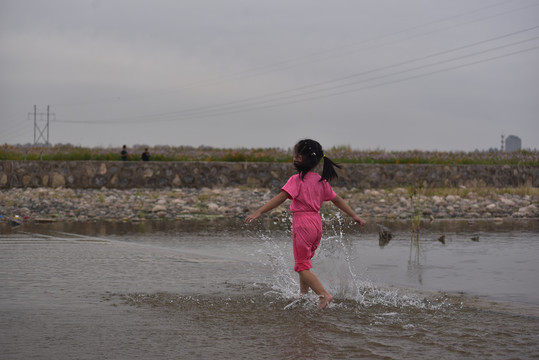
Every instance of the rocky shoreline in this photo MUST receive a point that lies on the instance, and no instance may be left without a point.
(64, 204)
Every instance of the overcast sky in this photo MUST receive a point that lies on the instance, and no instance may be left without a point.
(371, 74)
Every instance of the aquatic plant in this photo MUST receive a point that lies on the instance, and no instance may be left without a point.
(415, 202)
(414, 260)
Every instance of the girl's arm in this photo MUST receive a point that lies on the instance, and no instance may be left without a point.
(273, 203)
(343, 205)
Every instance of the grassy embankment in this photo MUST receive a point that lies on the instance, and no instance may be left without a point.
(342, 154)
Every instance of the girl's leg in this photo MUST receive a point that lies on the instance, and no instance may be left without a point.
(303, 286)
(307, 280)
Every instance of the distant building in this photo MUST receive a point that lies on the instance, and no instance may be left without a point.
(513, 143)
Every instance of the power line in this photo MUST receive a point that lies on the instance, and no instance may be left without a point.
(254, 103)
(337, 93)
(195, 110)
(313, 57)
(14, 131)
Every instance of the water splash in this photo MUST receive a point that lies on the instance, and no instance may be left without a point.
(338, 265)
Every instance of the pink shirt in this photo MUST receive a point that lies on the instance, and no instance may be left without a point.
(308, 194)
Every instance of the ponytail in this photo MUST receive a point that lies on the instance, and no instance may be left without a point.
(329, 173)
(311, 153)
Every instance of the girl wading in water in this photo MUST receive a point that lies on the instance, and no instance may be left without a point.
(308, 190)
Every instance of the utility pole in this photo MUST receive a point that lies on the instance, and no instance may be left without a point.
(39, 132)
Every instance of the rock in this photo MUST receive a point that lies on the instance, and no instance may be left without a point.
(373, 193)
(57, 180)
(15, 222)
(384, 235)
(438, 201)
(491, 207)
(111, 200)
(45, 220)
(3, 180)
(213, 207)
(526, 211)
(148, 173)
(507, 202)
(102, 169)
(113, 204)
(114, 180)
(158, 208)
(177, 181)
(442, 239)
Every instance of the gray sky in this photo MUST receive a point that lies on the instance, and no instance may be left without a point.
(372, 74)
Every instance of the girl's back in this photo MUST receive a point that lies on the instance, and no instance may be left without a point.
(308, 193)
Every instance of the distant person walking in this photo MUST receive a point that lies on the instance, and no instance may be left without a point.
(123, 154)
(145, 155)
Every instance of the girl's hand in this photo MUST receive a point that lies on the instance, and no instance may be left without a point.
(250, 218)
(359, 220)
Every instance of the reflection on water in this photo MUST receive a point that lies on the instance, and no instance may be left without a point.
(216, 288)
(414, 260)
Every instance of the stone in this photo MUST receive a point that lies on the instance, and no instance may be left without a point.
(438, 200)
(114, 180)
(253, 181)
(527, 211)
(57, 180)
(114, 204)
(384, 236)
(102, 169)
(213, 207)
(177, 181)
(26, 180)
(148, 173)
(491, 207)
(507, 202)
(158, 208)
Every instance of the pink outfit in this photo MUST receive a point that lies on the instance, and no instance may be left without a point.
(307, 196)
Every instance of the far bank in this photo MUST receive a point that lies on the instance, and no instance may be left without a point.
(161, 175)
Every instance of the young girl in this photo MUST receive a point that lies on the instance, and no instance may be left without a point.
(308, 190)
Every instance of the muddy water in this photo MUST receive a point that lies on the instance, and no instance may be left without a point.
(201, 289)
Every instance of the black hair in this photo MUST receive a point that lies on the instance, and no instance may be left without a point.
(311, 153)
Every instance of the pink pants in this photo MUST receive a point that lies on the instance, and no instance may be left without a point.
(306, 234)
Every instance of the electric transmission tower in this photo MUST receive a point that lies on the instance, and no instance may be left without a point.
(41, 132)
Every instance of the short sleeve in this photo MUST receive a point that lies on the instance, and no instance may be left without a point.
(328, 193)
(291, 187)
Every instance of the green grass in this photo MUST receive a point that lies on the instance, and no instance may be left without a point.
(340, 154)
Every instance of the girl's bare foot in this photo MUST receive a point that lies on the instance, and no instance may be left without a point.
(324, 301)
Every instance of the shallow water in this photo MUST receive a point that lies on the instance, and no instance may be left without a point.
(200, 289)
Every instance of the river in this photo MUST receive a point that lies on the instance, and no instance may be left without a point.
(199, 289)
